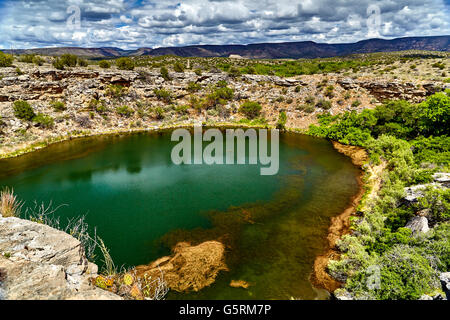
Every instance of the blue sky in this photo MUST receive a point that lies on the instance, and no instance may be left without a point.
(130, 24)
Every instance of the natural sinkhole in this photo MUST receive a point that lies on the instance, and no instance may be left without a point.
(142, 204)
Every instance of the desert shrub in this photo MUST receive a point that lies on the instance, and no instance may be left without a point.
(116, 91)
(324, 104)
(165, 74)
(193, 86)
(234, 72)
(83, 121)
(82, 62)
(6, 60)
(58, 64)
(125, 111)
(104, 64)
(308, 108)
(178, 67)
(44, 121)
(159, 113)
(438, 65)
(163, 94)
(23, 110)
(310, 100)
(329, 91)
(356, 104)
(125, 63)
(69, 60)
(251, 109)
(37, 60)
(58, 105)
(183, 109)
(198, 72)
(98, 106)
(26, 58)
(282, 119)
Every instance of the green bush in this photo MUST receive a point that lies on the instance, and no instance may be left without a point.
(193, 86)
(98, 106)
(116, 91)
(104, 64)
(405, 274)
(82, 62)
(165, 74)
(69, 60)
(26, 58)
(6, 60)
(324, 104)
(178, 67)
(356, 104)
(125, 64)
(23, 110)
(44, 121)
(163, 94)
(58, 105)
(58, 64)
(125, 111)
(282, 119)
(251, 109)
(159, 113)
(37, 60)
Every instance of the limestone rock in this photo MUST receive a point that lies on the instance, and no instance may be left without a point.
(418, 225)
(442, 178)
(42, 263)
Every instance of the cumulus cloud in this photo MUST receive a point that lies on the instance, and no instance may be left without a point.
(155, 23)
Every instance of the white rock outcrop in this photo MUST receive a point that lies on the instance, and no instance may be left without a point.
(38, 262)
(418, 225)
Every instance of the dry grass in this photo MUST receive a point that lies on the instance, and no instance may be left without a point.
(10, 206)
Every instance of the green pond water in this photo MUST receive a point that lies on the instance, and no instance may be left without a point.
(142, 204)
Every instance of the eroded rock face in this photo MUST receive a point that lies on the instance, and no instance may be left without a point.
(38, 262)
(388, 90)
(190, 267)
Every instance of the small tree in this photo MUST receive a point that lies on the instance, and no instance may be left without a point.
(23, 110)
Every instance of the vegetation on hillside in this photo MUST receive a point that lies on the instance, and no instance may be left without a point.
(413, 142)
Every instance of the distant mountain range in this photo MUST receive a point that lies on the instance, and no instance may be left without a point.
(294, 50)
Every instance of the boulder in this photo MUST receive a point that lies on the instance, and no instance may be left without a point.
(42, 263)
(413, 193)
(418, 225)
(442, 178)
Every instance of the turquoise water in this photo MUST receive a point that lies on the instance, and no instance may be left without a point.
(142, 204)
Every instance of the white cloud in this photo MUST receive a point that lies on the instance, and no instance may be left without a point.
(38, 23)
